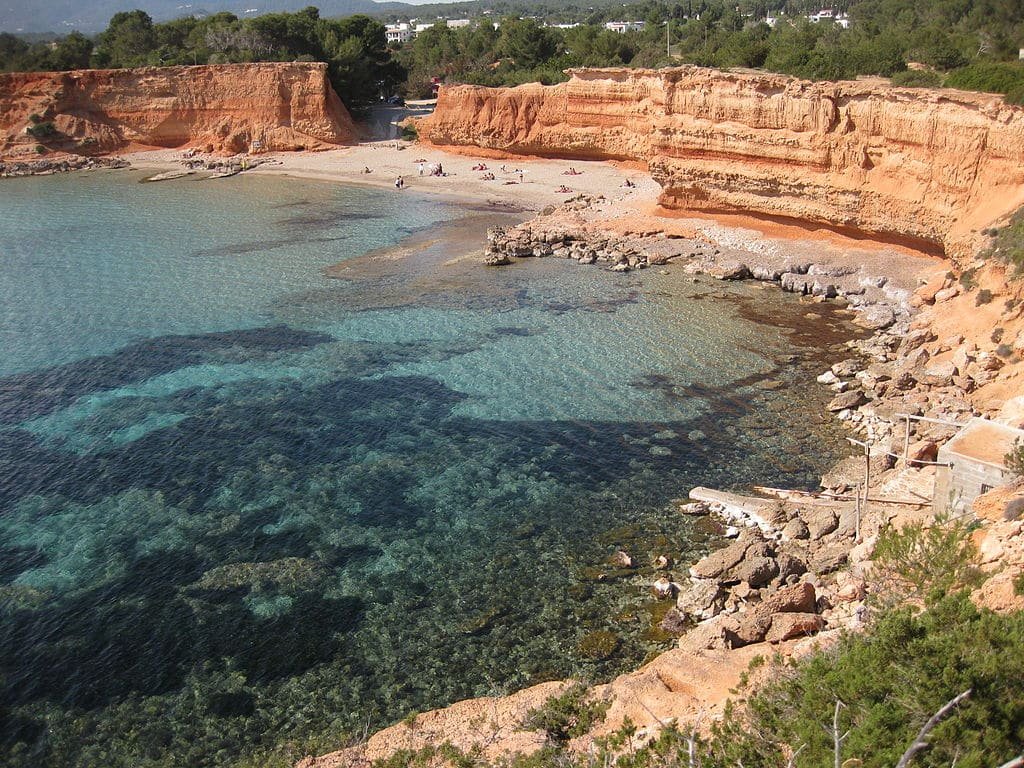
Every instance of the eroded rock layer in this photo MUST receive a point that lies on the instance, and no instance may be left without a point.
(932, 166)
(222, 108)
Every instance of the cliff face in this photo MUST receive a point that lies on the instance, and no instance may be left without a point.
(932, 166)
(222, 108)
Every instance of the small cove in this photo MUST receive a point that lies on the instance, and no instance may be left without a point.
(245, 504)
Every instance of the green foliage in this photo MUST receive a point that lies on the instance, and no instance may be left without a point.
(917, 78)
(44, 129)
(891, 682)
(924, 562)
(989, 76)
(1008, 243)
(570, 714)
(984, 297)
(969, 279)
(127, 41)
(1014, 460)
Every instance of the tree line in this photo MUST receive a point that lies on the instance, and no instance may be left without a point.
(360, 65)
(970, 44)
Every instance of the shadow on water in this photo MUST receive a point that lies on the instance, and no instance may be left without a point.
(27, 395)
(359, 531)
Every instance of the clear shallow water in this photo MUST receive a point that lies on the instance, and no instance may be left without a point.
(248, 509)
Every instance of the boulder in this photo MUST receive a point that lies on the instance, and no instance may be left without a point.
(939, 374)
(497, 259)
(785, 626)
(729, 269)
(717, 563)
(828, 558)
(876, 318)
(850, 592)
(799, 598)
(756, 571)
(922, 451)
(847, 400)
(746, 628)
(675, 622)
(846, 368)
(701, 600)
(795, 529)
(821, 521)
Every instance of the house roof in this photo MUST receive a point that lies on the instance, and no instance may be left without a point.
(985, 441)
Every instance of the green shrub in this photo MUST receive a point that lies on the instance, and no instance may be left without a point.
(984, 297)
(924, 562)
(1014, 460)
(571, 714)
(969, 279)
(1004, 350)
(42, 130)
(1008, 243)
(890, 682)
(409, 132)
(997, 334)
(989, 76)
(917, 78)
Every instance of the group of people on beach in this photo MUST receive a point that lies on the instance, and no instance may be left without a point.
(436, 169)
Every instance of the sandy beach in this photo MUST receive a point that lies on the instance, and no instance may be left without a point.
(536, 188)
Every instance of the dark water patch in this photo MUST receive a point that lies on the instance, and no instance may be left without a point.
(15, 560)
(325, 219)
(35, 393)
(506, 330)
(606, 305)
(257, 246)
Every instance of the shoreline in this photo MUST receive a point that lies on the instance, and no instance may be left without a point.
(894, 293)
(892, 300)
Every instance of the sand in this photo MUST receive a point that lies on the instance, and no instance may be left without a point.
(387, 160)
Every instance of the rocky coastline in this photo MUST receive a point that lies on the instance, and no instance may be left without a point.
(63, 164)
(794, 570)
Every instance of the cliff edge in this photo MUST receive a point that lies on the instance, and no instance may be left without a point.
(217, 108)
(929, 167)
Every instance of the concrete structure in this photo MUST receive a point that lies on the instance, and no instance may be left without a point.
(398, 33)
(829, 14)
(972, 463)
(622, 27)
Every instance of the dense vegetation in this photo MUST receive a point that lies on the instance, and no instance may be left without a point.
(969, 44)
(361, 68)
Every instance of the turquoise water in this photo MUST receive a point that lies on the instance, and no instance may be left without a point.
(250, 509)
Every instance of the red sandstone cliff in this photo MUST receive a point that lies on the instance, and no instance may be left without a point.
(222, 108)
(930, 165)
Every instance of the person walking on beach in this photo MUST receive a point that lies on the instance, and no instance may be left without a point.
(399, 183)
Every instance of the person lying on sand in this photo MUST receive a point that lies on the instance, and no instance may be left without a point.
(628, 183)
(572, 172)
(563, 190)
(366, 169)
(488, 177)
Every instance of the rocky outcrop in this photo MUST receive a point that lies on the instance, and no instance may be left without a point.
(218, 108)
(931, 167)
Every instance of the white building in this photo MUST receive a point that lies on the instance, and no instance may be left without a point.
(973, 462)
(624, 26)
(829, 14)
(457, 23)
(398, 33)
